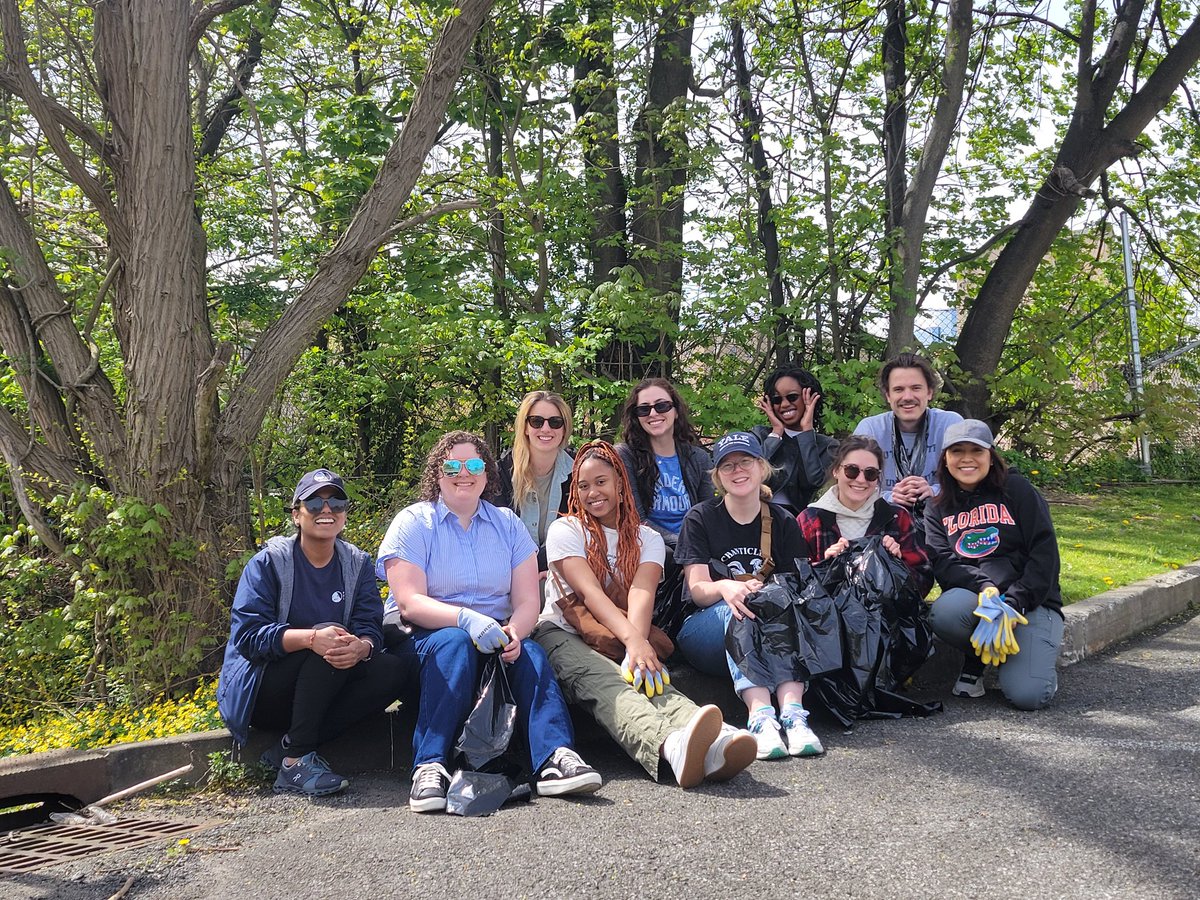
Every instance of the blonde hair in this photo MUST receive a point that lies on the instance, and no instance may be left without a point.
(768, 472)
(522, 475)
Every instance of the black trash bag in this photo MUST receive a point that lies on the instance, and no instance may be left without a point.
(670, 605)
(489, 727)
(482, 793)
(796, 633)
(490, 751)
(874, 596)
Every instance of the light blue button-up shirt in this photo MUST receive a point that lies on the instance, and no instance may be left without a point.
(469, 567)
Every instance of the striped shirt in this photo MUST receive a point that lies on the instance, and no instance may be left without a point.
(469, 567)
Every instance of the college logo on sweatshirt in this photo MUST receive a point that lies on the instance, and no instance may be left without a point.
(977, 540)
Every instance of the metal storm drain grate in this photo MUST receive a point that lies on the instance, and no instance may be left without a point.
(36, 848)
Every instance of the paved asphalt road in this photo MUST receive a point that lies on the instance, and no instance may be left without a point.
(1097, 797)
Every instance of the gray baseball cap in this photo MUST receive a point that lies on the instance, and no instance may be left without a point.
(970, 431)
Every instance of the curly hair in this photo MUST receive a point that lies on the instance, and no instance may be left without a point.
(805, 379)
(635, 437)
(522, 474)
(429, 489)
(628, 540)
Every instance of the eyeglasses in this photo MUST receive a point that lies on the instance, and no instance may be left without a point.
(852, 472)
(452, 467)
(777, 400)
(555, 422)
(662, 406)
(728, 468)
(315, 504)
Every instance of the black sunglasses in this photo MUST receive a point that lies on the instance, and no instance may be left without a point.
(555, 422)
(315, 504)
(776, 399)
(852, 472)
(662, 406)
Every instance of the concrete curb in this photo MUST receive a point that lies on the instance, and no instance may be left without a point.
(382, 743)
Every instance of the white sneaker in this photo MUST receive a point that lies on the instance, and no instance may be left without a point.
(732, 751)
(969, 685)
(801, 740)
(766, 732)
(686, 750)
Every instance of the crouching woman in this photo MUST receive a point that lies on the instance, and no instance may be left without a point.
(995, 555)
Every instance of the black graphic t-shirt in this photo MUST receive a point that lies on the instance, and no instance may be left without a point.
(710, 534)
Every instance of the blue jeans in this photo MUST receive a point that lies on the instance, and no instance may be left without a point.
(702, 640)
(449, 676)
(1029, 680)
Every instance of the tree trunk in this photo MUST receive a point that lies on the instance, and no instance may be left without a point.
(908, 204)
(750, 123)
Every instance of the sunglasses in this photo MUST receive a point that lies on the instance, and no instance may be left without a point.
(315, 504)
(852, 472)
(452, 467)
(662, 406)
(555, 422)
(777, 400)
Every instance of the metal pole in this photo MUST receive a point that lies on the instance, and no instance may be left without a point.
(1139, 386)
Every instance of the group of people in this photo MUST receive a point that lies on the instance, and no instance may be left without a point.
(554, 559)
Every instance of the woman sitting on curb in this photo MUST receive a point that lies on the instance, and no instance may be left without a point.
(727, 547)
(596, 630)
(305, 641)
(994, 553)
(464, 574)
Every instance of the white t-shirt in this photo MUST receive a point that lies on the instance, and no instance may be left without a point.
(565, 538)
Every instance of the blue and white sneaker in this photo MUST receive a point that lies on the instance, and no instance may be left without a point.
(765, 728)
(311, 776)
(801, 740)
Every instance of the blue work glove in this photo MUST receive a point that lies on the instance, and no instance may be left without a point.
(1007, 642)
(654, 683)
(986, 637)
(485, 631)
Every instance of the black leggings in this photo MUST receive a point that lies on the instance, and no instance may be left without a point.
(314, 702)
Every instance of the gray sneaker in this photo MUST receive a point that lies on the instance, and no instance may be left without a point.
(430, 781)
(310, 776)
(969, 685)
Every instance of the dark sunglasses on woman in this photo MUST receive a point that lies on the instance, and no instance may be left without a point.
(852, 472)
(315, 504)
(777, 400)
(661, 406)
(555, 422)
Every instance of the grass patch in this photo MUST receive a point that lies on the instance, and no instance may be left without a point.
(1116, 536)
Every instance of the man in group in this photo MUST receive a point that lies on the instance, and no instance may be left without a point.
(911, 434)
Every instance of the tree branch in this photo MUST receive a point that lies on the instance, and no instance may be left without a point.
(204, 13)
(433, 212)
(342, 267)
(16, 61)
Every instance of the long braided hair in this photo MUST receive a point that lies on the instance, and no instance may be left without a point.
(629, 551)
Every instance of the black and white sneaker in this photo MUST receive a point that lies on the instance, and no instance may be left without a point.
(565, 773)
(430, 782)
(969, 685)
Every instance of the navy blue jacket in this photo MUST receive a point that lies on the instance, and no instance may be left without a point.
(260, 617)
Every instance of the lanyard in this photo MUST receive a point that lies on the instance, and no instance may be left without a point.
(910, 461)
